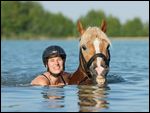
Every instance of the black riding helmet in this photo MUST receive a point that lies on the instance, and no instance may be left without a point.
(53, 51)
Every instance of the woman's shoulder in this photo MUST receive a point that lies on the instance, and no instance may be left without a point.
(39, 80)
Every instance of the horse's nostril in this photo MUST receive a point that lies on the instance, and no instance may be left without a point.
(104, 66)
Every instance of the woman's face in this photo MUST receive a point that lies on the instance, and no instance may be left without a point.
(55, 65)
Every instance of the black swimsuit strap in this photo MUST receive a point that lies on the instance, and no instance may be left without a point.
(63, 79)
(47, 78)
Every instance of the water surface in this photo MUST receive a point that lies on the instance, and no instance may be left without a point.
(128, 88)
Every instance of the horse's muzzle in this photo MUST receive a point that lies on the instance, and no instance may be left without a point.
(100, 80)
(99, 75)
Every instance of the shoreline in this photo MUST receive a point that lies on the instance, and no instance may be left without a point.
(129, 38)
(76, 38)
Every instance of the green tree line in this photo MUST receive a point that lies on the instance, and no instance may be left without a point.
(25, 20)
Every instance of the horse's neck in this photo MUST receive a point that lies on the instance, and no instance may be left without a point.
(81, 69)
(79, 75)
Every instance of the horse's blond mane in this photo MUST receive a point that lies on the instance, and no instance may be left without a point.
(91, 30)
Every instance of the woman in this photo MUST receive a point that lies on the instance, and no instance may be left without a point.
(54, 58)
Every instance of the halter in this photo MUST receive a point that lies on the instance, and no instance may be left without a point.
(87, 65)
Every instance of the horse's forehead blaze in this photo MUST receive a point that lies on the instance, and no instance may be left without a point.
(96, 44)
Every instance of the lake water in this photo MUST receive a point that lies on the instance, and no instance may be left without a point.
(128, 88)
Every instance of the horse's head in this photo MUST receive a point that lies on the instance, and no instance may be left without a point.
(94, 52)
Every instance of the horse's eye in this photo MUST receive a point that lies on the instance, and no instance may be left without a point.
(84, 47)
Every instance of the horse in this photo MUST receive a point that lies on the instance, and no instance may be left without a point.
(94, 56)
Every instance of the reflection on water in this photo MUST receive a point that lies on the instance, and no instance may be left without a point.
(54, 96)
(92, 98)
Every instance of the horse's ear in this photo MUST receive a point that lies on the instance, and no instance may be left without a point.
(80, 28)
(103, 26)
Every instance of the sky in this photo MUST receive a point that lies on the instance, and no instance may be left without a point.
(123, 10)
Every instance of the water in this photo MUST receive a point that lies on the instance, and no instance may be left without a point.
(128, 88)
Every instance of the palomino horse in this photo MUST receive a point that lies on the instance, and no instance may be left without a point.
(94, 56)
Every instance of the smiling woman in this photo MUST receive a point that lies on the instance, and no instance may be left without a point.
(54, 58)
